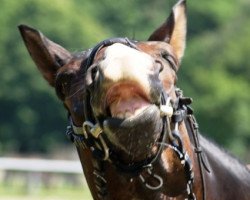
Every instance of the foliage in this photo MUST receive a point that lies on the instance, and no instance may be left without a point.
(215, 70)
(32, 118)
(219, 79)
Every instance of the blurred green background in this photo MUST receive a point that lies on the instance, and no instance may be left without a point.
(215, 71)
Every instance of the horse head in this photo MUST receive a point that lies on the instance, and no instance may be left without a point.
(125, 111)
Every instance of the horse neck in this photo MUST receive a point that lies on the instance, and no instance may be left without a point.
(225, 179)
(228, 178)
(171, 186)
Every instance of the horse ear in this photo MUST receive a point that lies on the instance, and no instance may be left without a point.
(173, 31)
(47, 55)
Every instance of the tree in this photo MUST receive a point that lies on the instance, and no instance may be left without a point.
(32, 119)
(215, 70)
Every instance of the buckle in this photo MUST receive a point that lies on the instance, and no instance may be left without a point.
(100, 147)
(167, 109)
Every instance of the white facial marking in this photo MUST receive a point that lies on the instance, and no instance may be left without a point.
(124, 63)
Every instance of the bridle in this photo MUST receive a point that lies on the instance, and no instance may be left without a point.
(91, 136)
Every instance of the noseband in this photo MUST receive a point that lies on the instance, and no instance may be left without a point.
(91, 136)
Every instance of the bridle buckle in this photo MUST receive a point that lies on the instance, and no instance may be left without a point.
(94, 130)
(99, 142)
(167, 108)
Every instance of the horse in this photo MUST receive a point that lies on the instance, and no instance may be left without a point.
(134, 130)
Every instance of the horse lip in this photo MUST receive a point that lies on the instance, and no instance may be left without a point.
(124, 90)
(135, 136)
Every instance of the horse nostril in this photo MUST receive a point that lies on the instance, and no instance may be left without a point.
(91, 75)
(94, 72)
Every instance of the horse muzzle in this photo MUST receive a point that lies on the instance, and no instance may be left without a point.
(134, 138)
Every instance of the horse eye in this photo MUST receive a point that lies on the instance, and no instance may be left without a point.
(94, 71)
(170, 60)
(65, 86)
(62, 84)
(166, 56)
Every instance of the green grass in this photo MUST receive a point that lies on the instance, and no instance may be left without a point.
(17, 192)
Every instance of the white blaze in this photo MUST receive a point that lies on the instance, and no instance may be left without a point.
(124, 63)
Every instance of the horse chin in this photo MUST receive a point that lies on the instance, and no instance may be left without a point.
(133, 138)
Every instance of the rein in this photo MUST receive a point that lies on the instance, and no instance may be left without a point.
(91, 136)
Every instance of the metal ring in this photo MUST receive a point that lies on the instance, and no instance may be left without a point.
(151, 187)
(84, 127)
